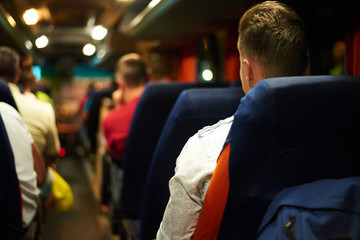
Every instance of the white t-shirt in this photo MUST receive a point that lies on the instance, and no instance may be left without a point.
(194, 168)
(21, 140)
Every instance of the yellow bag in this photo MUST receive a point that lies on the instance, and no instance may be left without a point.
(63, 196)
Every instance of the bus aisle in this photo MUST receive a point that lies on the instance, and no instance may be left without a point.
(85, 220)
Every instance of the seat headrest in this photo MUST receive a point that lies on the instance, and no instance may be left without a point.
(312, 108)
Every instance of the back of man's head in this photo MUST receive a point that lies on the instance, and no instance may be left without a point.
(273, 34)
(9, 64)
(27, 79)
(132, 69)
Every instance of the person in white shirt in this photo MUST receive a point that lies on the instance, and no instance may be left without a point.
(33, 114)
(30, 164)
(271, 43)
(21, 142)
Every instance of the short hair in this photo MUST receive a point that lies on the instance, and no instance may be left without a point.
(133, 69)
(27, 78)
(9, 63)
(273, 34)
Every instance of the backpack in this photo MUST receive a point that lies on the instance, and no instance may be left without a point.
(326, 210)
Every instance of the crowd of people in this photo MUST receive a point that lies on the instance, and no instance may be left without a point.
(31, 127)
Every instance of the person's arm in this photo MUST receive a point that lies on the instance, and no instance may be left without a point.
(39, 165)
(115, 140)
(186, 192)
(194, 168)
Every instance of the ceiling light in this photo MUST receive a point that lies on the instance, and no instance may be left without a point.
(28, 45)
(10, 20)
(89, 49)
(99, 32)
(41, 42)
(31, 16)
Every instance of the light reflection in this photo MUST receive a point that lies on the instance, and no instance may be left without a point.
(153, 3)
(101, 53)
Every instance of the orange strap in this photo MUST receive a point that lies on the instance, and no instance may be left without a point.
(212, 210)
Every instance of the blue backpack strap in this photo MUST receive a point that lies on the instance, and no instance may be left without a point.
(324, 208)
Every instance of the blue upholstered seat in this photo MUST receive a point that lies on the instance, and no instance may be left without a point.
(150, 116)
(286, 132)
(194, 109)
(10, 198)
(5, 94)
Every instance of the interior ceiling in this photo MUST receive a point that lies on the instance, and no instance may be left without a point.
(67, 24)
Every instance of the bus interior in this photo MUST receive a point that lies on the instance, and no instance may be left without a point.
(75, 45)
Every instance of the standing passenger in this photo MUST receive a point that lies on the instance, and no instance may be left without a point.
(271, 43)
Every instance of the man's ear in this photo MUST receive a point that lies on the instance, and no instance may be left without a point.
(249, 71)
(119, 81)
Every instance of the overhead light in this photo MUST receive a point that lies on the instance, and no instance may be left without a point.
(89, 49)
(31, 16)
(207, 75)
(28, 45)
(99, 32)
(41, 42)
(10, 20)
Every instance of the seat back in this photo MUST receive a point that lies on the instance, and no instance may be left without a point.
(323, 209)
(10, 198)
(92, 125)
(150, 116)
(6, 96)
(194, 109)
(286, 132)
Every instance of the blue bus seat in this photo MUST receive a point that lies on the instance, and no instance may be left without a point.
(150, 116)
(10, 198)
(92, 125)
(6, 95)
(194, 109)
(323, 209)
(286, 132)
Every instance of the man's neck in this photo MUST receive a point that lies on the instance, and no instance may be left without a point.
(133, 92)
